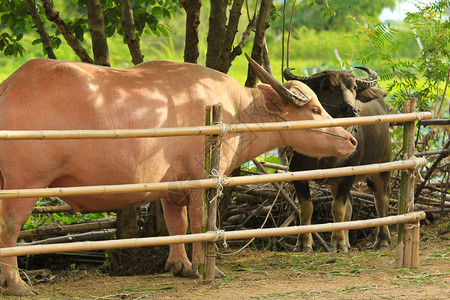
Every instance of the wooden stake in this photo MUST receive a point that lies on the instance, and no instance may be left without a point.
(214, 194)
(205, 197)
(406, 202)
(415, 245)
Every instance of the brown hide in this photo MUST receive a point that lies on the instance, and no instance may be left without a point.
(49, 94)
(337, 91)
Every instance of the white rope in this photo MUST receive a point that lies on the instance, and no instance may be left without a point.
(219, 234)
(219, 191)
(224, 128)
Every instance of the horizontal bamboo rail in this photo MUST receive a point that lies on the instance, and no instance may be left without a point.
(212, 182)
(207, 130)
(209, 236)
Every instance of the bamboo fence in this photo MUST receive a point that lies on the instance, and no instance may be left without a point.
(211, 236)
(207, 130)
(213, 183)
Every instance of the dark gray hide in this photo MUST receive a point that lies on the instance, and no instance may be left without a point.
(344, 95)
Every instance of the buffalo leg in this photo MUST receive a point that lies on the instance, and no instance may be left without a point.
(348, 217)
(339, 209)
(304, 241)
(15, 212)
(177, 223)
(380, 185)
(195, 217)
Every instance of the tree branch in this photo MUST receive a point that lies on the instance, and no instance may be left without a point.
(53, 16)
(262, 23)
(192, 8)
(224, 62)
(129, 32)
(98, 34)
(40, 29)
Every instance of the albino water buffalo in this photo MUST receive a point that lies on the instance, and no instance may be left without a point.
(345, 95)
(51, 94)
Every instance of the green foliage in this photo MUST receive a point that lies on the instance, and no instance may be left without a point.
(419, 77)
(38, 220)
(330, 15)
(15, 21)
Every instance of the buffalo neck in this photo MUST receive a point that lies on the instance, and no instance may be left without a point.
(243, 147)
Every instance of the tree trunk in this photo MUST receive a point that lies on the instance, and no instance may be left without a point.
(129, 32)
(192, 8)
(262, 23)
(53, 16)
(225, 60)
(40, 29)
(98, 34)
(217, 32)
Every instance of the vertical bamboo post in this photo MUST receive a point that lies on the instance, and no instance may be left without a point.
(211, 224)
(406, 247)
(415, 245)
(204, 193)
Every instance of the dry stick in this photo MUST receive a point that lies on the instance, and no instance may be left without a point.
(207, 130)
(209, 236)
(432, 168)
(212, 182)
(291, 203)
(42, 232)
(277, 186)
(52, 209)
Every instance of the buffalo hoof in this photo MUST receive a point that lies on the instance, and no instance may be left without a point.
(343, 249)
(180, 270)
(219, 273)
(302, 249)
(21, 290)
(382, 245)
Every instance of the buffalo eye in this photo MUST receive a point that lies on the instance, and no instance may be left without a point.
(316, 110)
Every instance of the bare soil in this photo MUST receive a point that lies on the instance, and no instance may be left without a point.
(256, 274)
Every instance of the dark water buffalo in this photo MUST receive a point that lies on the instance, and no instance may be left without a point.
(345, 95)
(50, 94)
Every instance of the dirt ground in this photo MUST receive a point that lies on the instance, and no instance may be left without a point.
(256, 274)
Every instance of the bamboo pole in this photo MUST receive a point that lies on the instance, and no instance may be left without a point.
(406, 202)
(201, 268)
(210, 252)
(212, 182)
(208, 236)
(207, 130)
(415, 245)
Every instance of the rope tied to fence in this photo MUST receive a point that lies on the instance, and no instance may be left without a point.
(219, 234)
(411, 226)
(219, 187)
(224, 128)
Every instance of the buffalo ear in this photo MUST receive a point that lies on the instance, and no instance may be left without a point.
(370, 94)
(272, 100)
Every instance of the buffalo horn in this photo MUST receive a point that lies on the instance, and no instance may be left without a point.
(287, 74)
(367, 82)
(264, 76)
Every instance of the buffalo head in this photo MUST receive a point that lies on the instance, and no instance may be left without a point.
(338, 90)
